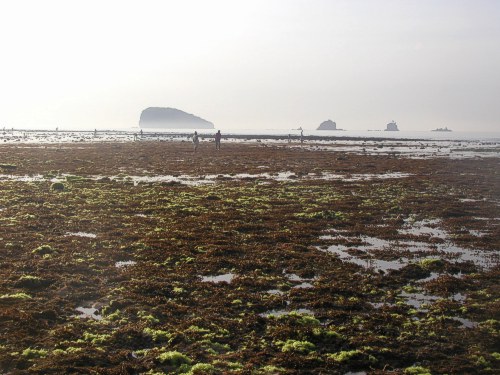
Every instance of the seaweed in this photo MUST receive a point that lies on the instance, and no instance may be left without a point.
(307, 290)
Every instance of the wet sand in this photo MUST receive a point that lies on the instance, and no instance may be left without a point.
(261, 258)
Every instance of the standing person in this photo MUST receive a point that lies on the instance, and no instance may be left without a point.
(196, 141)
(218, 137)
(301, 135)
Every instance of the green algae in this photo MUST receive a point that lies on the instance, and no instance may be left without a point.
(19, 296)
(157, 335)
(417, 370)
(296, 346)
(31, 353)
(44, 250)
(173, 358)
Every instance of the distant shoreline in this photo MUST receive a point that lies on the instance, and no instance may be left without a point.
(204, 133)
(276, 135)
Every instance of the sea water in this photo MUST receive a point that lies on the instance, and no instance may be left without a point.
(362, 134)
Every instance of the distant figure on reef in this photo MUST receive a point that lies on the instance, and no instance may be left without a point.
(301, 135)
(196, 141)
(95, 133)
(141, 133)
(218, 137)
(289, 138)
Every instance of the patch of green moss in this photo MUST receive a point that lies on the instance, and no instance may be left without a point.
(96, 338)
(202, 369)
(15, 296)
(297, 346)
(173, 358)
(196, 329)
(344, 355)
(271, 370)
(30, 281)
(417, 370)
(44, 250)
(325, 215)
(34, 353)
(144, 316)
(432, 263)
(157, 334)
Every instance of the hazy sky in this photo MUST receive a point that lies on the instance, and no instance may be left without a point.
(254, 63)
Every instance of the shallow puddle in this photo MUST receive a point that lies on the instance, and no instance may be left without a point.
(227, 277)
(304, 282)
(369, 263)
(412, 149)
(424, 228)
(379, 305)
(304, 285)
(125, 263)
(418, 299)
(294, 277)
(81, 234)
(421, 249)
(276, 292)
(88, 313)
(207, 179)
(466, 323)
(286, 312)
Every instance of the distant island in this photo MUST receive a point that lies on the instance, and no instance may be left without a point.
(445, 129)
(392, 127)
(171, 118)
(328, 125)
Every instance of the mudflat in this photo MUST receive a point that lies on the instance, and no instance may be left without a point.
(260, 258)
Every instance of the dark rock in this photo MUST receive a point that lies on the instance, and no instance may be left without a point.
(171, 118)
(392, 127)
(328, 125)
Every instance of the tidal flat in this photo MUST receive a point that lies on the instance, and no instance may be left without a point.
(261, 258)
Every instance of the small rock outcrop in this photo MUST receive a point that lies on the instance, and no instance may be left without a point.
(328, 125)
(392, 127)
(171, 118)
